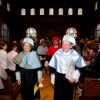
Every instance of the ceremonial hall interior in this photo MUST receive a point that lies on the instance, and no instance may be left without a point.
(44, 19)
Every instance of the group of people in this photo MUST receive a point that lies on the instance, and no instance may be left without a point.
(64, 62)
(90, 54)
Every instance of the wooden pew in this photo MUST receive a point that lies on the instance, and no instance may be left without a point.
(90, 89)
(10, 91)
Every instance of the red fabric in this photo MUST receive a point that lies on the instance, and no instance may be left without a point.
(56, 38)
(52, 50)
(89, 56)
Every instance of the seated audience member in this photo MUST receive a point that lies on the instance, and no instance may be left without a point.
(90, 60)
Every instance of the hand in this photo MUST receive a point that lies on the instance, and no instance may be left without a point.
(19, 82)
(72, 80)
(53, 85)
(40, 80)
(43, 58)
(87, 62)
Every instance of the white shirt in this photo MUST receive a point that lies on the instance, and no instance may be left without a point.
(42, 50)
(10, 56)
(3, 58)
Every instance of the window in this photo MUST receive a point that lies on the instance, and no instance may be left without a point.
(32, 11)
(4, 32)
(72, 31)
(8, 7)
(23, 11)
(0, 2)
(97, 33)
(51, 11)
(79, 11)
(60, 11)
(96, 6)
(70, 11)
(41, 11)
(31, 32)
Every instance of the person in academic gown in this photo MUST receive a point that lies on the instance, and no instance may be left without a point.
(64, 61)
(30, 72)
(51, 50)
(56, 45)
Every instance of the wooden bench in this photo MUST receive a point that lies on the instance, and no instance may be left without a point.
(10, 91)
(90, 89)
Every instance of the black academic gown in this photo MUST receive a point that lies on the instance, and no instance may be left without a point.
(28, 80)
(63, 88)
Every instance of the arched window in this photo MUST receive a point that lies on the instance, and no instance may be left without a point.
(72, 31)
(32, 11)
(60, 12)
(23, 11)
(31, 32)
(70, 11)
(97, 33)
(79, 11)
(96, 6)
(51, 11)
(8, 7)
(4, 32)
(0, 2)
(42, 11)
